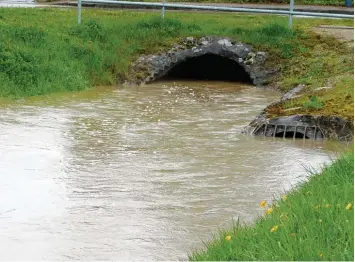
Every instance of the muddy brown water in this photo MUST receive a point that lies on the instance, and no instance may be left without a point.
(138, 173)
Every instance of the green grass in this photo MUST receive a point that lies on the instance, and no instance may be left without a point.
(44, 50)
(313, 223)
(313, 103)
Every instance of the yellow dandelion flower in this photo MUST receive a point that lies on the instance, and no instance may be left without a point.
(274, 229)
(228, 238)
(327, 206)
(284, 197)
(293, 234)
(263, 203)
(320, 254)
(348, 206)
(269, 211)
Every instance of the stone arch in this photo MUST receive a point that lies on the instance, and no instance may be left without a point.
(251, 64)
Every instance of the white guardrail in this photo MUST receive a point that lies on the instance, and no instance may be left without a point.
(163, 5)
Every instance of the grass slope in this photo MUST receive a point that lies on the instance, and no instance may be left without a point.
(44, 50)
(315, 222)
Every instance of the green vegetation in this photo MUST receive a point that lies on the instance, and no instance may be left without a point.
(314, 222)
(313, 103)
(44, 50)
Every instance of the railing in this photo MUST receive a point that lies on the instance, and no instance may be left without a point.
(163, 5)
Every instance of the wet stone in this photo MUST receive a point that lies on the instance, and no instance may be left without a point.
(193, 47)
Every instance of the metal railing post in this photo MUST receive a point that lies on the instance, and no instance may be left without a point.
(292, 5)
(79, 12)
(163, 9)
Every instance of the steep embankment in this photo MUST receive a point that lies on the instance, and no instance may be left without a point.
(314, 222)
(44, 51)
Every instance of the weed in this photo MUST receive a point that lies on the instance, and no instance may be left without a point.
(90, 30)
(313, 103)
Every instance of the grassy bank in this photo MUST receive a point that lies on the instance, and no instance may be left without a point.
(314, 222)
(44, 50)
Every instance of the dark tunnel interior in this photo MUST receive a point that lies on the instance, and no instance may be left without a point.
(290, 135)
(209, 67)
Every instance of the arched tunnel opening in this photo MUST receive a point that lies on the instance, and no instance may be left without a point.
(290, 134)
(209, 67)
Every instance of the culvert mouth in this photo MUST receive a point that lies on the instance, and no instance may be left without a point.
(208, 67)
(209, 58)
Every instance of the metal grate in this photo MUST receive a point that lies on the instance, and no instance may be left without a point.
(271, 130)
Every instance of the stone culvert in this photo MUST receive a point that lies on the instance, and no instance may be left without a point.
(205, 58)
(218, 58)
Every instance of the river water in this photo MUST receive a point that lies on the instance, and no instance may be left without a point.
(138, 173)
